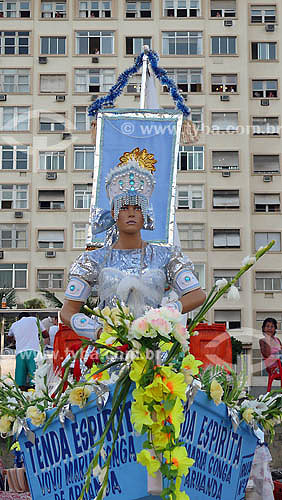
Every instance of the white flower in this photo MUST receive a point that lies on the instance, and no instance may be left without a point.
(96, 471)
(221, 283)
(170, 314)
(137, 345)
(103, 453)
(257, 406)
(248, 261)
(233, 293)
(101, 475)
(152, 314)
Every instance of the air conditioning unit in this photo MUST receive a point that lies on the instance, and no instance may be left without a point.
(18, 215)
(95, 60)
(264, 102)
(66, 136)
(3, 97)
(267, 178)
(50, 254)
(226, 173)
(60, 98)
(51, 176)
(228, 22)
(1, 254)
(42, 60)
(225, 98)
(270, 27)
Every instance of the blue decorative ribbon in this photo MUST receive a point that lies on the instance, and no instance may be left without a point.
(122, 81)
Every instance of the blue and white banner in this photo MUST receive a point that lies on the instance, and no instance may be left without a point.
(58, 459)
(120, 131)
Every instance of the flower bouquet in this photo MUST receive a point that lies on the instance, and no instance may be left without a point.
(148, 356)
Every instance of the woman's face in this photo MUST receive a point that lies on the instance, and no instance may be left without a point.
(130, 219)
(269, 329)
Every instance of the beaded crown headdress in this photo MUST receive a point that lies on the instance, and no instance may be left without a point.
(131, 183)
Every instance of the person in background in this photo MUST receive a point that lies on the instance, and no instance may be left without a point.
(52, 331)
(270, 346)
(26, 334)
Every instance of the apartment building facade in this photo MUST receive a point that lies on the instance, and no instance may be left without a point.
(224, 55)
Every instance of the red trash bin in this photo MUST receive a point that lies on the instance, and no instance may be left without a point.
(212, 345)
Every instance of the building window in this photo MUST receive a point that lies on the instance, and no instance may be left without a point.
(200, 273)
(51, 200)
(192, 236)
(265, 125)
(13, 235)
(14, 43)
(223, 8)
(14, 9)
(261, 315)
(138, 9)
(94, 42)
(13, 275)
(267, 202)
(225, 160)
(225, 199)
(79, 235)
(228, 275)
(51, 122)
(263, 239)
(264, 88)
(95, 9)
(50, 279)
(263, 14)
(82, 195)
(15, 81)
(190, 196)
(187, 80)
(223, 83)
(191, 158)
(53, 9)
(52, 160)
(231, 318)
(14, 157)
(264, 51)
(13, 196)
(53, 84)
(50, 239)
(134, 44)
(182, 43)
(53, 45)
(94, 80)
(84, 157)
(226, 238)
(224, 122)
(14, 118)
(223, 45)
(81, 118)
(266, 164)
(182, 8)
(197, 118)
(134, 87)
(269, 281)
(258, 366)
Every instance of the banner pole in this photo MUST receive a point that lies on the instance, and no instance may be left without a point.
(144, 76)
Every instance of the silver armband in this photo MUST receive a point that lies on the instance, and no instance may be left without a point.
(185, 281)
(85, 326)
(77, 289)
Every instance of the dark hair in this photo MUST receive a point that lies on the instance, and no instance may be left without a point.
(269, 320)
(24, 315)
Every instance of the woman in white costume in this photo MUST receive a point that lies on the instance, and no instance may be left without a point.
(131, 270)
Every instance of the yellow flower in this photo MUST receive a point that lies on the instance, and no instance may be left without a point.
(137, 368)
(156, 390)
(181, 495)
(174, 383)
(104, 375)
(178, 460)
(159, 437)
(5, 423)
(248, 415)
(191, 364)
(140, 415)
(174, 416)
(37, 417)
(79, 395)
(141, 395)
(151, 462)
(216, 392)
